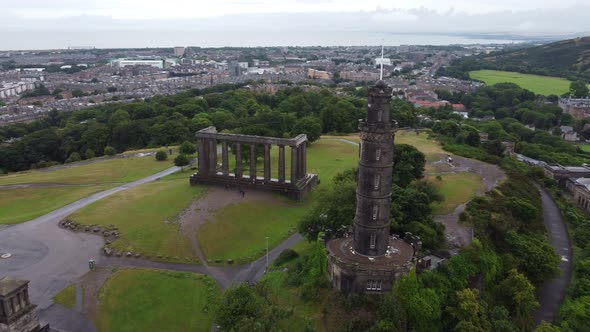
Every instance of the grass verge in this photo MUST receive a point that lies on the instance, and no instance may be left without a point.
(145, 217)
(67, 297)
(456, 189)
(154, 300)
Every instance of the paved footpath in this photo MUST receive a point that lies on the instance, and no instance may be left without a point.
(552, 292)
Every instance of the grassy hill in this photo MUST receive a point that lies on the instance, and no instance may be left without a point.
(567, 58)
(544, 85)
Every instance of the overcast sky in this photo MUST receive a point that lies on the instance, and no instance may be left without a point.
(522, 17)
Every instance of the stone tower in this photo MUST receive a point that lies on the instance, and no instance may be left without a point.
(372, 259)
(373, 193)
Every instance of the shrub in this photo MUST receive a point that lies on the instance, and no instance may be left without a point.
(161, 155)
(75, 156)
(110, 151)
(181, 160)
(187, 148)
(89, 154)
(285, 256)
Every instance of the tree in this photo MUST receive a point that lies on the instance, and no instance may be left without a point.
(181, 160)
(110, 151)
(187, 148)
(578, 89)
(310, 126)
(239, 304)
(161, 155)
(469, 311)
(408, 164)
(575, 314)
(421, 305)
(89, 154)
(75, 156)
(518, 295)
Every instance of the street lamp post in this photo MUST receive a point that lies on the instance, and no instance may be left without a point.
(266, 270)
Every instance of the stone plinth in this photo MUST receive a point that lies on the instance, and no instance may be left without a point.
(351, 272)
(17, 313)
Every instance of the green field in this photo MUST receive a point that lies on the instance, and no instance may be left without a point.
(108, 171)
(67, 297)
(544, 85)
(456, 188)
(23, 204)
(140, 214)
(153, 300)
(239, 231)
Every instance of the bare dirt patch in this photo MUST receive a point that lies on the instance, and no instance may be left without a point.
(92, 282)
(202, 210)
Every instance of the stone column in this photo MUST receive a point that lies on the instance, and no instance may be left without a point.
(294, 164)
(303, 159)
(238, 160)
(224, 159)
(281, 164)
(212, 156)
(253, 162)
(267, 162)
(202, 157)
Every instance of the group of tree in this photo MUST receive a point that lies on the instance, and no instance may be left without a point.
(168, 120)
(334, 209)
(511, 112)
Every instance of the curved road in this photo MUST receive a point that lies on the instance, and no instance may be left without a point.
(552, 292)
(49, 256)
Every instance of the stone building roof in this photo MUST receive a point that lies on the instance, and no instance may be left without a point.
(9, 285)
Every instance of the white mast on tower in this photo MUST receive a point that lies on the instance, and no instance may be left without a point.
(381, 74)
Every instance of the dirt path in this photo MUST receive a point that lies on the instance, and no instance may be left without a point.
(203, 209)
(460, 235)
(91, 284)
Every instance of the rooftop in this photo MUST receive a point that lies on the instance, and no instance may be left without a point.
(9, 285)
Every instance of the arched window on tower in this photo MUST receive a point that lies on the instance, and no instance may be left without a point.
(378, 154)
(372, 241)
(376, 182)
(379, 116)
(375, 211)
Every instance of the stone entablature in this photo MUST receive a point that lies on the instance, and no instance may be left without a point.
(299, 184)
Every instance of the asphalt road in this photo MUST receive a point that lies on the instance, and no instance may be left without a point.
(552, 292)
(51, 257)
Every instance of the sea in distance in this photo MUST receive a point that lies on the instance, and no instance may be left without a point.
(31, 40)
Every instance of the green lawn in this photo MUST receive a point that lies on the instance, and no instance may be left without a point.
(239, 231)
(154, 300)
(545, 85)
(140, 214)
(23, 204)
(67, 297)
(429, 147)
(456, 189)
(108, 171)
(584, 147)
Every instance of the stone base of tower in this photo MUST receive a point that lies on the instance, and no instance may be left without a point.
(351, 272)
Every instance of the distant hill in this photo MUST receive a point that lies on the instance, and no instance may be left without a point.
(567, 58)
